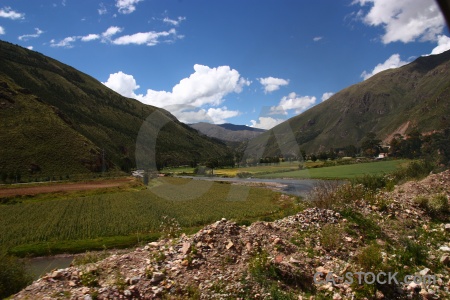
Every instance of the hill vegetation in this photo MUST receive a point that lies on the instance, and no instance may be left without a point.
(228, 132)
(411, 98)
(57, 121)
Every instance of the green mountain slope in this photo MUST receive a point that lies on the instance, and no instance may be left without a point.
(227, 132)
(65, 121)
(415, 96)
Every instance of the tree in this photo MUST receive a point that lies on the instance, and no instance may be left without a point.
(350, 150)
(212, 164)
(302, 155)
(371, 146)
(313, 157)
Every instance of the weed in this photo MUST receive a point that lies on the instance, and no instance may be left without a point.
(89, 278)
(331, 237)
(370, 259)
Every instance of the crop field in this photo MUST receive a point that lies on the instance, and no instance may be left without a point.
(343, 171)
(191, 202)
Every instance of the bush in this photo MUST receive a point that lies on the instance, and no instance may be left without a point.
(370, 258)
(244, 174)
(331, 237)
(372, 182)
(438, 204)
(13, 276)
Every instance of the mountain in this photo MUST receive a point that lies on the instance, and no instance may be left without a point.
(57, 120)
(415, 96)
(228, 132)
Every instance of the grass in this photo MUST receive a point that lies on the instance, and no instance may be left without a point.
(77, 224)
(343, 171)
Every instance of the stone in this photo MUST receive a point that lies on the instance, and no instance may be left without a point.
(336, 296)
(127, 293)
(229, 245)
(135, 280)
(444, 248)
(157, 277)
(447, 227)
(445, 259)
(87, 297)
(85, 290)
(72, 283)
(153, 244)
(186, 248)
(424, 272)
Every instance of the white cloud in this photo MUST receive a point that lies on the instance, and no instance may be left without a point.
(391, 63)
(327, 96)
(291, 102)
(7, 12)
(205, 87)
(443, 45)
(174, 22)
(219, 115)
(64, 43)
(150, 38)
(112, 30)
(405, 20)
(30, 47)
(271, 84)
(127, 6)
(102, 10)
(317, 38)
(2, 30)
(26, 37)
(266, 122)
(123, 84)
(90, 37)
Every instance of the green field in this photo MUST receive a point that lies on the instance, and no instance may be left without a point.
(343, 171)
(121, 219)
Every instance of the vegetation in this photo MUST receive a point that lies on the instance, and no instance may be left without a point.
(13, 276)
(43, 136)
(76, 224)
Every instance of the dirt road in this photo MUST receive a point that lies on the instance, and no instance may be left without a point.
(64, 187)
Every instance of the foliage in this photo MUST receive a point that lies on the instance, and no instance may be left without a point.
(331, 237)
(13, 276)
(121, 219)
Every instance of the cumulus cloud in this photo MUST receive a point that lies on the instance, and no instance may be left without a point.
(271, 84)
(266, 122)
(112, 30)
(64, 43)
(327, 96)
(174, 22)
(150, 38)
(126, 6)
(293, 102)
(90, 37)
(317, 38)
(205, 87)
(26, 37)
(7, 12)
(30, 47)
(391, 63)
(404, 20)
(443, 45)
(2, 30)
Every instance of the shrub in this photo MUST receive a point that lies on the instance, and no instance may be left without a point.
(331, 237)
(323, 195)
(372, 182)
(13, 276)
(169, 227)
(438, 204)
(370, 258)
(244, 174)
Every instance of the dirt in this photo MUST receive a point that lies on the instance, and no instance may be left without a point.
(64, 187)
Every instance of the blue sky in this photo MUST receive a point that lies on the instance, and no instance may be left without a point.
(243, 62)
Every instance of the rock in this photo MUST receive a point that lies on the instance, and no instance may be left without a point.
(293, 260)
(127, 293)
(447, 227)
(336, 296)
(85, 290)
(348, 239)
(186, 248)
(157, 277)
(229, 245)
(135, 280)
(72, 283)
(322, 270)
(379, 295)
(277, 241)
(424, 272)
(445, 259)
(444, 248)
(153, 244)
(87, 297)
(56, 274)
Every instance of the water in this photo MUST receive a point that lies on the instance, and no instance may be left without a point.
(39, 266)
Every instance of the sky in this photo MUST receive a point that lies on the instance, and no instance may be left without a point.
(250, 62)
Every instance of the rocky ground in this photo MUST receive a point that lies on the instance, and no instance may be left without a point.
(402, 231)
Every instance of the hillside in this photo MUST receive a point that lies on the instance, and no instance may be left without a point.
(289, 258)
(415, 96)
(228, 132)
(59, 121)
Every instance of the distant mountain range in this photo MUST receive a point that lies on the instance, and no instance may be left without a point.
(228, 132)
(415, 96)
(56, 120)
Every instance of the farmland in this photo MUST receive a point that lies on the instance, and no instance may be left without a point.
(121, 219)
(343, 171)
